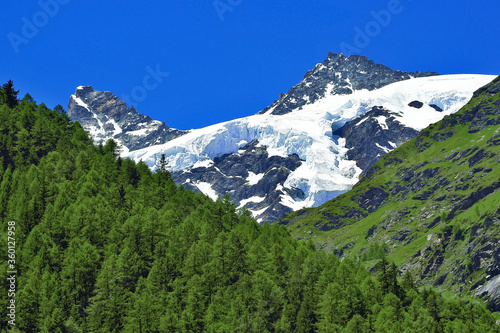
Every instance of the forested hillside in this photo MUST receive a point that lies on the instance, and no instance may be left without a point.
(103, 244)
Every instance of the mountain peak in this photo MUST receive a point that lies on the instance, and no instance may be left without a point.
(339, 75)
(106, 117)
(84, 89)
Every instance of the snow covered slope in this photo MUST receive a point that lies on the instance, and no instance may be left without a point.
(218, 158)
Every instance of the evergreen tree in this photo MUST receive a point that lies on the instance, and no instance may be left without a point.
(8, 95)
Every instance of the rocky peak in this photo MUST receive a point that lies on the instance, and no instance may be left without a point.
(106, 117)
(339, 75)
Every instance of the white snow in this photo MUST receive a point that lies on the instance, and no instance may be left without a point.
(117, 127)
(206, 188)
(253, 178)
(79, 101)
(203, 164)
(258, 213)
(98, 132)
(385, 149)
(326, 172)
(254, 199)
(382, 122)
(288, 201)
(139, 132)
(362, 121)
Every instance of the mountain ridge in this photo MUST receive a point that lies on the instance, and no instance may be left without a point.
(106, 117)
(325, 164)
(339, 75)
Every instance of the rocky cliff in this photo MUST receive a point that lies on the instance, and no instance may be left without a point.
(106, 117)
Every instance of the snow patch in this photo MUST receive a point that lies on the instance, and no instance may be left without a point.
(385, 149)
(139, 132)
(253, 178)
(362, 121)
(206, 188)
(288, 201)
(254, 199)
(203, 164)
(382, 122)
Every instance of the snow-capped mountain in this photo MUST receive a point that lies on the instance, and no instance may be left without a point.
(106, 117)
(339, 75)
(315, 142)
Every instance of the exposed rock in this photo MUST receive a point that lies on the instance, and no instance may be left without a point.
(478, 157)
(106, 117)
(473, 198)
(368, 139)
(416, 104)
(440, 280)
(338, 75)
(435, 107)
(434, 222)
(336, 221)
(372, 199)
(402, 235)
(371, 231)
(442, 136)
(251, 173)
(434, 263)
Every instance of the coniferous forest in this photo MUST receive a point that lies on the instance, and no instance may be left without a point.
(104, 244)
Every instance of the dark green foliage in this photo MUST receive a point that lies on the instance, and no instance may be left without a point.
(8, 95)
(105, 245)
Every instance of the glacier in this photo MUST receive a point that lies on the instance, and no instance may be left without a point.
(326, 172)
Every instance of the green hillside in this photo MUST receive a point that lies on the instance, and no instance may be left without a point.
(433, 204)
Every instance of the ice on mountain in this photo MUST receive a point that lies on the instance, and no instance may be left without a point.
(325, 171)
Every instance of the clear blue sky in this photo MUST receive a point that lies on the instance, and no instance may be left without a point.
(233, 60)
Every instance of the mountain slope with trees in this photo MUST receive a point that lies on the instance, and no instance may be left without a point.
(433, 204)
(105, 245)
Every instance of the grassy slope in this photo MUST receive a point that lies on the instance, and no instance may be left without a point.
(430, 182)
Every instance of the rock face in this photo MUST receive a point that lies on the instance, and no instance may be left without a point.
(374, 134)
(339, 75)
(106, 117)
(252, 178)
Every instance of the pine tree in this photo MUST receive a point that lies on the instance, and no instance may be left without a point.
(8, 95)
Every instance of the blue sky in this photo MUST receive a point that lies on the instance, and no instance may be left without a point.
(195, 63)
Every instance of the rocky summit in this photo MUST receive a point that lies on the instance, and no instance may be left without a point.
(106, 117)
(339, 75)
